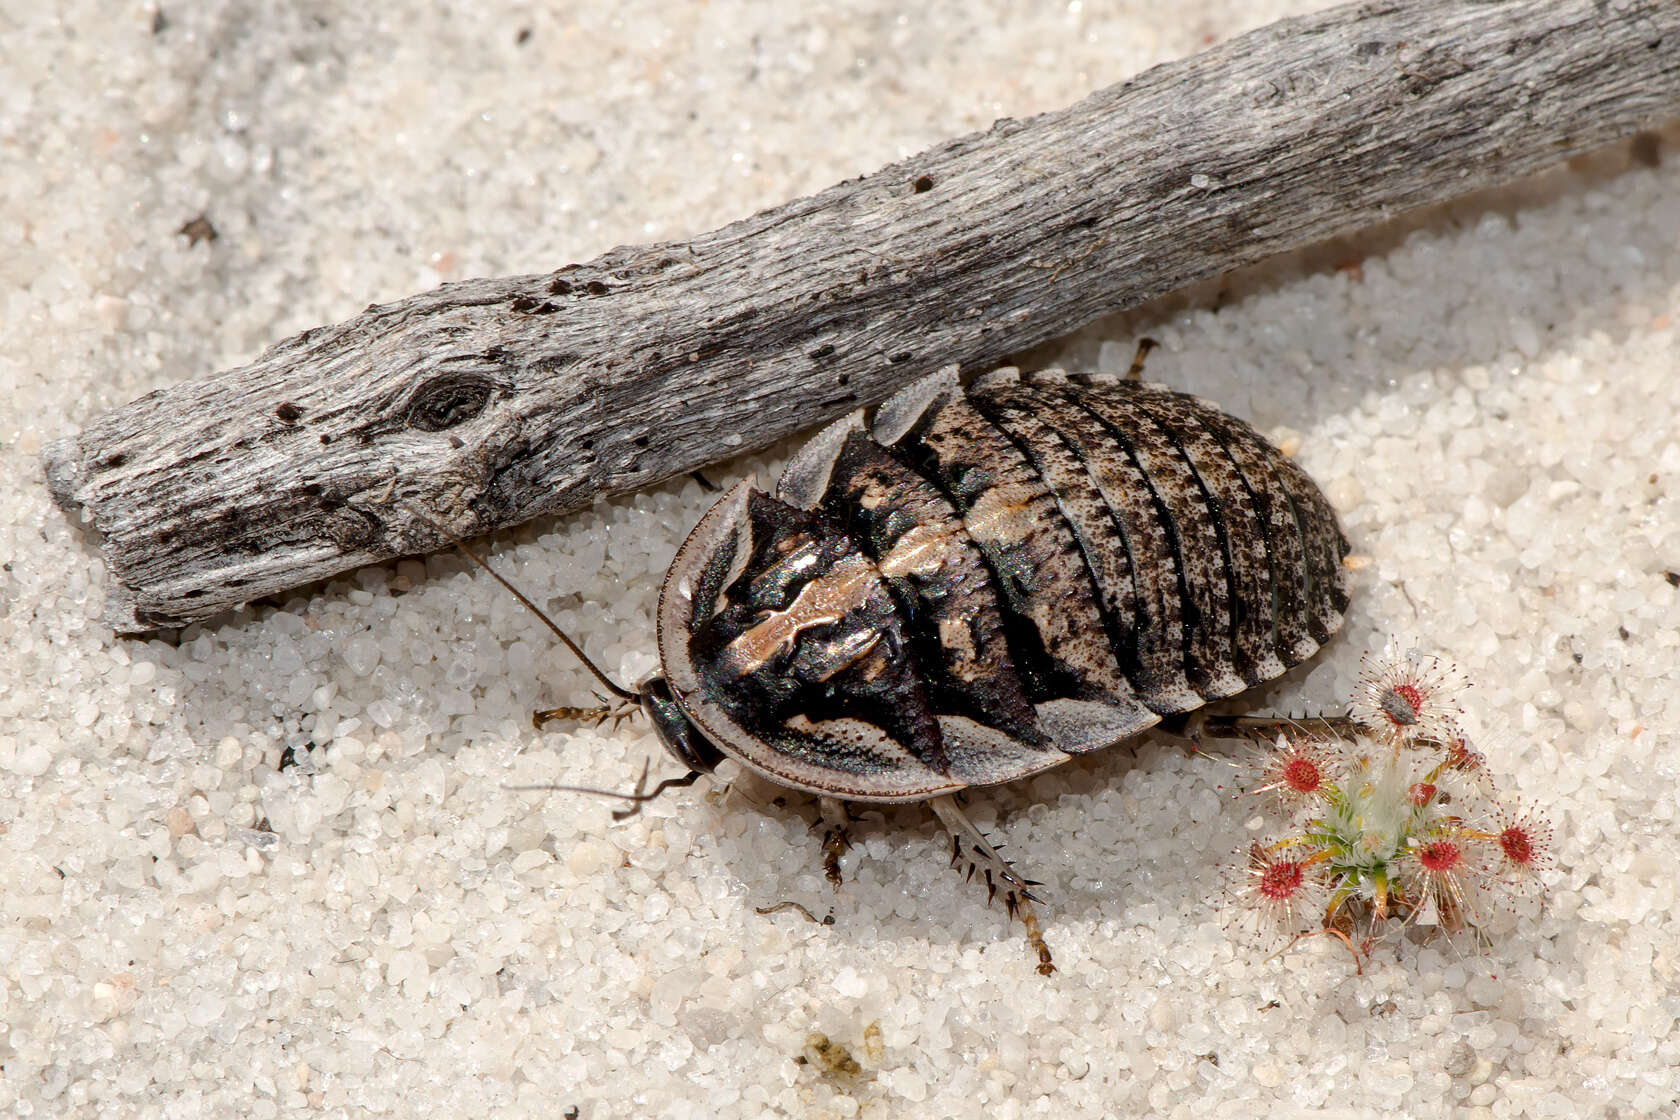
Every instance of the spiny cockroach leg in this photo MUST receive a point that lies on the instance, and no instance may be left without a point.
(1268, 728)
(970, 844)
(835, 838)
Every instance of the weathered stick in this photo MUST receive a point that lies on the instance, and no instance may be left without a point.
(489, 402)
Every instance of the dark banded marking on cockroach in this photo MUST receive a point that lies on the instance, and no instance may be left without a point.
(1036, 563)
(937, 572)
(971, 586)
(1242, 537)
(1304, 516)
(1197, 536)
(1127, 510)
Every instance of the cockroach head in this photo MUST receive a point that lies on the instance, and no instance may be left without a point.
(676, 731)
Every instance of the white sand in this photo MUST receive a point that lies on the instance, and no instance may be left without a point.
(1488, 392)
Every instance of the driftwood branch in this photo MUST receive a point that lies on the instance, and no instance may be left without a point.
(489, 402)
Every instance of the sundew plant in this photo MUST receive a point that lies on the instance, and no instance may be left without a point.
(1391, 819)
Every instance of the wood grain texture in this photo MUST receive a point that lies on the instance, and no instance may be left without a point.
(488, 402)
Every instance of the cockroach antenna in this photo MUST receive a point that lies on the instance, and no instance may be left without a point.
(637, 797)
(631, 702)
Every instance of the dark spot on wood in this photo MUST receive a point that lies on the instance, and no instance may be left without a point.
(325, 439)
(904, 356)
(349, 529)
(596, 288)
(822, 351)
(1434, 69)
(112, 461)
(922, 184)
(288, 412)
(559, 287)
(456, 443)
(641, 441)
(843, 380)
(196, 230)
(160, 22)
(1370, 48)
(523, 37)
(1646, 150)
(450, 399)
(531, 306)
(494, 355)
(553, 363)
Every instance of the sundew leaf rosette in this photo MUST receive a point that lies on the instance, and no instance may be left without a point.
(1396, 825)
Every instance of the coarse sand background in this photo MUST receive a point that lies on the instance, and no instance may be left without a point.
(380, 926)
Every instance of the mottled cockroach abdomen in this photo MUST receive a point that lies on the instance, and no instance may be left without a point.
(975, 585)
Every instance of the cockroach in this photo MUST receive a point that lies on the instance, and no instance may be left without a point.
(970, 585)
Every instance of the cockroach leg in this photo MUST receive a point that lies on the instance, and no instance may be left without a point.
(1023, 910)
(1144, 346)
(1266, 729)
(617, 711)
(969, 845)
(825, 920)
(835, 837)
